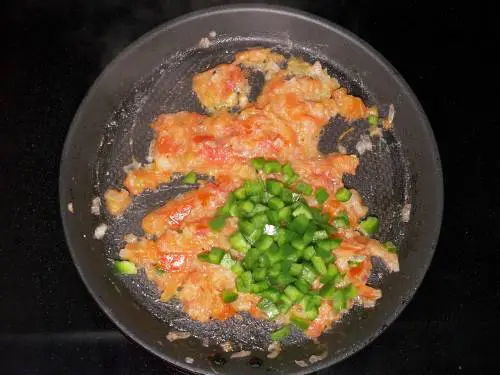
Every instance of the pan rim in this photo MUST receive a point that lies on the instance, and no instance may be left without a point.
(432, 233)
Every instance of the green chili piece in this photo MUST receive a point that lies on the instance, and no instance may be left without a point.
(320, 235)
(215, 255)
(203, 257)
(302, 209)
(339, 302)
(343, 194)
(253, 237)
(217, 223)
(285, 214)
(341, 221)
(190, 178)
(238, 242)
(275, 203)
(237, 269)
(296, 269)
(308, 274)
(258, 163)
(260, 286)
(308, 235)
(271, 294)
(259, 274)
(251, 258)
(253, 187)
(327, 290)
(272, 166)
(304, 188)
(293, 293)
(288, 172)
(390, 247)
(273, 217)
(268, 308)
(350, 291)
(301, 323)
(274, 187)
(227, 261)
(373, 120)
(308, 253)
(329, 244)
(302, 285)
(286, 195)
(369, 226)
(229, 296)
(125, 267)
(284, 303)
(246, 206)
(281, 333)
(319, 264)
(264, 242)
(260, 220)
(321, 195)
(299, 224)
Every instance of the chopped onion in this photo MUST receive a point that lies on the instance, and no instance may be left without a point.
(95, 207)
(372, 111)
(151, 148)
(130, 238)
(317, 358)
(274, 350)
(100, 231)
(227, 346)
(364, 144)
(316, 68)
(269, 229)
(177, 335)
(132, 166)
(204, 43)
(242, 354)
(390, 117)
(405, 213)
(301, 363)
(375, 132)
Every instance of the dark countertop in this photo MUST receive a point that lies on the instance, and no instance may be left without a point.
(52, 52)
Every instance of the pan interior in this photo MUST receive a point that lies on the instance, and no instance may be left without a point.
(382, 177)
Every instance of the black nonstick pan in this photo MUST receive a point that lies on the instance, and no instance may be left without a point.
(400, 180)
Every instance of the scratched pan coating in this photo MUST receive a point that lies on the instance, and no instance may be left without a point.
(153, 76)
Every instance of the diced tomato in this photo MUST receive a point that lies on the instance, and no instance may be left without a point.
(361, 272)
(174, 262)
(230, 86)
(166, 145)
(350, 106)
(215, 153)
(176, 218)
(226, 312)
(256, 313)
(203, 138)
(323, 320)
(170, 216)
(204, 196)
(139, 180)
(201, 227)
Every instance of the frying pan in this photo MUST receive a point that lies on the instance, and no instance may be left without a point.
(400, 175)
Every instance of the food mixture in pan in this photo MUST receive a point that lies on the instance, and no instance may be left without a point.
(273, 232)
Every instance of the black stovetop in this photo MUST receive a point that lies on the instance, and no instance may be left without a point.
(53, 50)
